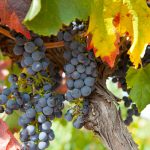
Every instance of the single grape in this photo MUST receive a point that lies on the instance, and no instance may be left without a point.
(20, 40)
(89, 81)
(42, 102)
(51, 102)
(6, 91)
(68, 96)
(70, 84)
(42, 145)
(75, 75)
(30, 71)
(78, 83)
(47, 87)
(29, 47)
(43, 136)
(45, 65)
(23, 65)
(28, 61)
(18, 50)
(85, 91)
(36, 66)
(69, 68)
(26, 97)
(88, 70)
(51, 135)
(46, 125)
(68, 116)
(31, 129)
(31, 113)
(81, 58)
(23, 76)
(83, 76)
(67, 36)
(14, 88)
(74, 61)
(24, 135)
(41, 118)
(12, 104)
(38, 42)
(75, 93)
(13, 78)
(37, 55)
(25, 119)
(3, 99)
(38, 108)
(32, 145)
(60, 35)
(81, 68)
(34, 137)
(77, 124)
(47, 110)
(8, 111)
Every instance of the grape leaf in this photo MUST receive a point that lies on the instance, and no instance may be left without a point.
(13, 125)
(139, 82)
(105, 37)
(7, 140)
(12, 14)
(53, 14)
(141, 17)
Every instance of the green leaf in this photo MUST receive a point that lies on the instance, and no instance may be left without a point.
(139, 82)
(55, 13)
(12, 121)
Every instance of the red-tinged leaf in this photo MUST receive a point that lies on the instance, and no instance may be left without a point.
(7, 140)
(12, 12)
(103, 36)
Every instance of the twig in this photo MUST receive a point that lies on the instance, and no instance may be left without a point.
(6, 33)
(54, 44)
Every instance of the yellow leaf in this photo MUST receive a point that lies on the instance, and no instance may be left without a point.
(114, 18)
(104, 36)
(141, 25)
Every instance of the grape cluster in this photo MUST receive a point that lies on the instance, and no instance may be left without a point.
(33, 93)
(82, 111)
(81, 73)
(36, 121)
(132, 110)
(33, 52)
(119, 78)
(80, 69)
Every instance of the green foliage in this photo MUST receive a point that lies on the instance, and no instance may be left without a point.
(49, 19)
(139, 82)
(11, 121)
(69, 138)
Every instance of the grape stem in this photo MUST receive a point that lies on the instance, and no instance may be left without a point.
(54, 44)
(6, 33)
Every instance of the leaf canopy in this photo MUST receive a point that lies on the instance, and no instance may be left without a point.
(139, 82)
(55, 13)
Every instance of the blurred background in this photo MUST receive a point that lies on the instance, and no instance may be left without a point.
(69, 138)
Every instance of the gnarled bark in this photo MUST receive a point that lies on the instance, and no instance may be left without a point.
(104, 120)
